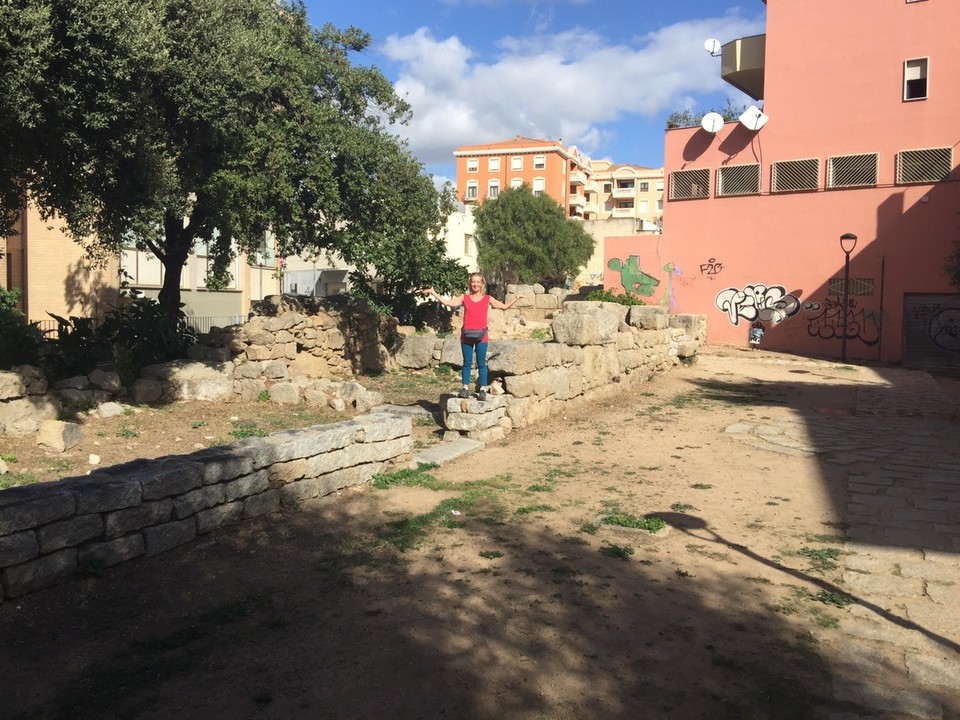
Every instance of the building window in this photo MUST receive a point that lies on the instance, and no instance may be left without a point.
(539, 162)
(848, 171)
(738, 180)
(516, 182)
(473, 165)
(539, 186)
(493, 189)
(644, 206)
(689, 184)
(608, 187)
(660, 205)
(795, 175)
(516, 163)
(625, 185)
(915, 79)
(468, 247)
(659, 186)
(858, 286)
(644, 187)
(472, 190)
(625, 205)
(924, 166)
(493, 164)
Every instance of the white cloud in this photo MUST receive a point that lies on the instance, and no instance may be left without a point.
(571, 85)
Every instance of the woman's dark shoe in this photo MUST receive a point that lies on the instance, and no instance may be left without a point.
(464, 393)
(482, 395)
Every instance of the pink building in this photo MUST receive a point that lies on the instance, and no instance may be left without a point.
(858, 133)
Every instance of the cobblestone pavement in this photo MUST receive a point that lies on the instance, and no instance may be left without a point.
(899, 652)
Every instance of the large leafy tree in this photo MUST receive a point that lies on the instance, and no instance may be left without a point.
(522, 237)
(164, 123)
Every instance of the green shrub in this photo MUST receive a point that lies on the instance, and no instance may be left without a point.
(608, 296)
(75, 350)
(142, 333)
(21, 343)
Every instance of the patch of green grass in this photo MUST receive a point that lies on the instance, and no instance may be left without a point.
(650, 524)
(541, 334)
(682, 507)
(198, 424)
(424, 421)
(127, 432)
(246, 428)
(410, 477)
(61, 465)
(821, 559)
(620, 552)
(680, 572)
(128, 411)
(264, 396)
(701, 486)
(8, 457)
(13, 479)
(535, 508)
(540, 488)
(589, 528)
(548, 453)
(491, 554)
(828, 539)
(837, 599)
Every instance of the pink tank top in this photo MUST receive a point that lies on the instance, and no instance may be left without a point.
(475, 314)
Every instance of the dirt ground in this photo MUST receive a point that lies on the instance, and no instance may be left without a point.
(491, 587)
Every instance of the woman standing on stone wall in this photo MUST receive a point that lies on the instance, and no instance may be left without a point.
(474, 337)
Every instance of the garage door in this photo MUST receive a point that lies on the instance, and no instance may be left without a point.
(931, 331)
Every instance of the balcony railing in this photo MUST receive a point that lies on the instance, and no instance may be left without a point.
(624, 192)
(577, 201)
(624, 212)
(578, 177)
(742, 64)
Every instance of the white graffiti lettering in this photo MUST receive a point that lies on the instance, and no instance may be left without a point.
(771, 303)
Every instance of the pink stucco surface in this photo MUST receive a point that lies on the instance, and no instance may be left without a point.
(834, 78)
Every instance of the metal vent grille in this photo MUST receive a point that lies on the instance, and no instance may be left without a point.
(795, 175)
(924, 166)
(858, 286)
(689, 184)
(846, 171)
(738, 180)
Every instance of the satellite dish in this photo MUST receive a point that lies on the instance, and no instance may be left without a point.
(753, 118)
(712, 122)
(712, 46)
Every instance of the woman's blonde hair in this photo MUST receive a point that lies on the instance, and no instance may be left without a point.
(479, 275)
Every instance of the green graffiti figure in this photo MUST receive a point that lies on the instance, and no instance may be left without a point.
(632, 278)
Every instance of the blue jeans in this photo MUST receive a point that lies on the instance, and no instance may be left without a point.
(481, 349)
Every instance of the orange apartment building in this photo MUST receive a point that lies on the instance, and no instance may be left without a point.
(589, 190)
(857, 136)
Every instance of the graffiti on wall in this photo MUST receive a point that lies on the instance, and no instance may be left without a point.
(766, 303)
(711, 268)
(632, 278)
(862, 324)
(944, 329)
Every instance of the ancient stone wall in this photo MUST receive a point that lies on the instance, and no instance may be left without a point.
(50, 531)
(596, 348)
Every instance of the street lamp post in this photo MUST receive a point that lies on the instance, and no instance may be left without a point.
(848, 242)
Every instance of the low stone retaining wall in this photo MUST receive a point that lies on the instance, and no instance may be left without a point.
(597, 347)
(49, 531)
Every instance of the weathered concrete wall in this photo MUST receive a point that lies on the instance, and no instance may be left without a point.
(51, 530)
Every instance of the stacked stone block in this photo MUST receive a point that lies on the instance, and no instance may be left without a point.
(597, 347)
(49, 531)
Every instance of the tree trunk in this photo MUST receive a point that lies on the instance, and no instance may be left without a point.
(178, 240)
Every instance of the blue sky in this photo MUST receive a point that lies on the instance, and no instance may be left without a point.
(599, 74)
